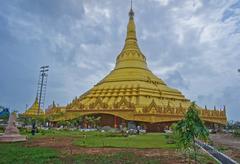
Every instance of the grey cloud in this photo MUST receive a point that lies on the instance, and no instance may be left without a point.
(176, 80)
(54, 9)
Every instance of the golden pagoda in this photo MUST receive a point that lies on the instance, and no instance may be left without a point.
(33, 110)
(132, 93)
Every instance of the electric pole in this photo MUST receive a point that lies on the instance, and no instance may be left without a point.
(42, 87)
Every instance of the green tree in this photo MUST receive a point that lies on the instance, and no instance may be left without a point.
(92, 121)
(191, 128)
(96, 121)
(76, 121)
(25, 120)
(64, 123)
(79, 121)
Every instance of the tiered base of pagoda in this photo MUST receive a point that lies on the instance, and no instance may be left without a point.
(118, 122)
(12, 138)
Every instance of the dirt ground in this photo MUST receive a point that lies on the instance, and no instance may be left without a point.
(66, 147)
(229, 144)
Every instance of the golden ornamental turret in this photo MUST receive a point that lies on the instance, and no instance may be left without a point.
(33, 110)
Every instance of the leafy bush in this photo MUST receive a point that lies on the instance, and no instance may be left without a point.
(23, 130)
(170, 139)
(237, 132)
(2, 129)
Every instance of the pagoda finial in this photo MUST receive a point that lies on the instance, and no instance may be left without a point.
(53, 105)
(224, 109)
(131, 31)
(131, 13)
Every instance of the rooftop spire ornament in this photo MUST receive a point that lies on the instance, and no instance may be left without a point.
(131, 13)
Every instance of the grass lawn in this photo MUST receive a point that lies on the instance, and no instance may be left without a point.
(22, 153)
(150, 140)
(122, 157)
(17, 153)
(98, 139)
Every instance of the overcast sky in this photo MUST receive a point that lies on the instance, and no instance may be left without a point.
(193, 45)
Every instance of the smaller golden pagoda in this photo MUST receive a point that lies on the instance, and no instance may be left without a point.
(33, 110)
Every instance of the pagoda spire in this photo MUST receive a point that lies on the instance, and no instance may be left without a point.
(131, 55)
(131, 29)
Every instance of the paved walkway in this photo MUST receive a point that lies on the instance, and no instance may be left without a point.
(222, 158)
